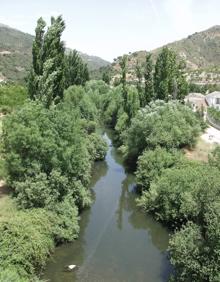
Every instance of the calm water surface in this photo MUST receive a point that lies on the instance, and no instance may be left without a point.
(117, 241)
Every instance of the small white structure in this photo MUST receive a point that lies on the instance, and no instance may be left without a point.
(197, 101)
(213, 100)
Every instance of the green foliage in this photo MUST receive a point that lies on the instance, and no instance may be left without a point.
(106, 77)
(11, 275)
(187, 197)
(11, 97)
(44, 151)
(123, 65)
(65, 218)
(26, 241)
(76, 71)
(195, 248)
(75, 97)
(97, 147)
(169, 125)
(15, 63)
(151, 165)
(182, 194)
(132, 103)
(169, 80)
(214, 114)
(139, 76)
(46, 79)
(27, 238)
(214, 158)
(149, 81)
(112, 104)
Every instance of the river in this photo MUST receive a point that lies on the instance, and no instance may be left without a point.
(117, 241)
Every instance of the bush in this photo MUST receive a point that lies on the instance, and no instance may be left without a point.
(182, 194)
(26, 241)
(151, 164)
(214, 158)
(195, 248)
(11, 275)
(11, 97)
(97, 147)
(214, 114)
(66, 227)
(44, 151)
(76, 98)
(169, 125)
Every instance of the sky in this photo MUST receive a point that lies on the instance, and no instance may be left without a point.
(110, 28)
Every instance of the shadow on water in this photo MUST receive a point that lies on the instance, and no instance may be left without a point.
(117, 241)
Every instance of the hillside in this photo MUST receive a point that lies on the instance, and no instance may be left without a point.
(201, 51)
(15, 55)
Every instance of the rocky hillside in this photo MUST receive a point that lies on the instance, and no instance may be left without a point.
(15, 55)
(201, 52)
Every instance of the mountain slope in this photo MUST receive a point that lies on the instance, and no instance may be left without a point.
(201, 52)
(15, 55)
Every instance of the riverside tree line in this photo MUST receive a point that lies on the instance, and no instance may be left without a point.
(50, 144)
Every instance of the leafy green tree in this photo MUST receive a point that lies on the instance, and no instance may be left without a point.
(76, 71)
(195, 249)
(46, 79)
(169, 125)
(76, 98)
(214, 158)
(45, 151)
(123, 65)
(12, 97)
(139, 76)
(169, 79)
(132, 103)
(37, 53)
(149, 81)
(98, 147)
(106, 77)
(152, 163)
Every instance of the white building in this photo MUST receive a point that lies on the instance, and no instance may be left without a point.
(213, 99)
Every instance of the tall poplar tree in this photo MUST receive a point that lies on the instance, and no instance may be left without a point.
(76, 71)
(139, 76)
(46, 79)
(169, 78)
(149, 81)
(123, 65)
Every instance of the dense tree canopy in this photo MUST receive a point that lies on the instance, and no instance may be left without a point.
(170, 125)
(169, 80)
(76, 71)
(46, 79)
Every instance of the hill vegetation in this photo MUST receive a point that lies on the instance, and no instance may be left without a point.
(200, 51)
(49, 144)
(16, 55)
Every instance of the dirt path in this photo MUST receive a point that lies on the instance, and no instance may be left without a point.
(211, 135)
(4, 190)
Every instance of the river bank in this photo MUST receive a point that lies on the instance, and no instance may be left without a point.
(117, 241)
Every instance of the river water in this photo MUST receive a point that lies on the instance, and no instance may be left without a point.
(117, 241)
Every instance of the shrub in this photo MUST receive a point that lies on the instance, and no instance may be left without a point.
(26, 241)
(97, 147)
(11, 97)
(151, 164)
(169, 125)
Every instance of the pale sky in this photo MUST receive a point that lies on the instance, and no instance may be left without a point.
(109, 28)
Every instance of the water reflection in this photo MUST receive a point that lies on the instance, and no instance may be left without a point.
(117, 241)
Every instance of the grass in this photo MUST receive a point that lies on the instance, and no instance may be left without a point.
(201, 151)
(7, 206)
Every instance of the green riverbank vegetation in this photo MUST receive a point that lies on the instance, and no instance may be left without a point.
(182, 194)
(49, 144)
